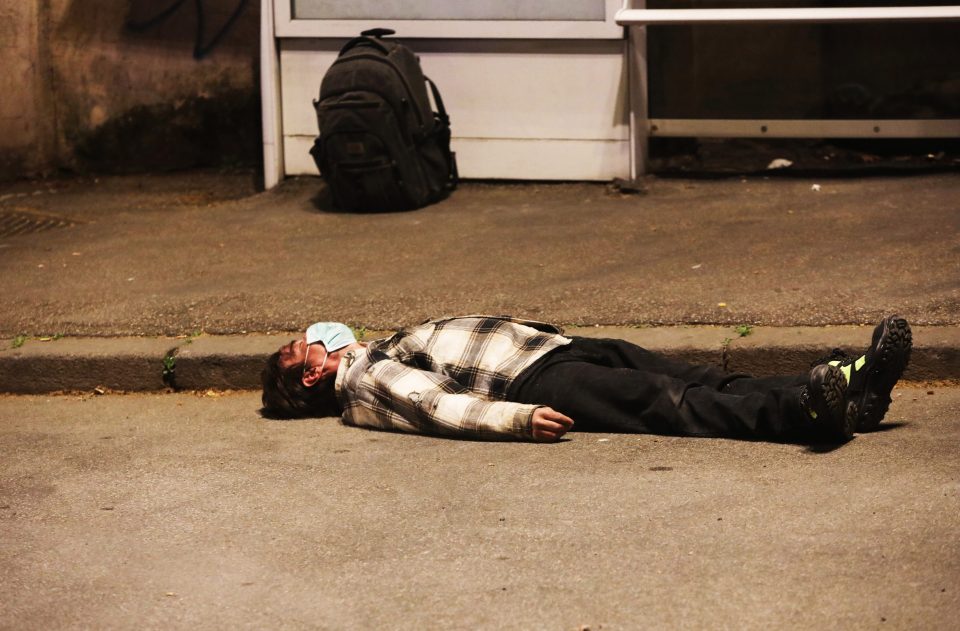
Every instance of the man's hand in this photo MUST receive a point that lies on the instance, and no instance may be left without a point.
(549, 425)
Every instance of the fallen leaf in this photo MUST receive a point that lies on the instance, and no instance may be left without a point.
(780, 163)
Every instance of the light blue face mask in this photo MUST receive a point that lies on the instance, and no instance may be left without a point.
(333, 335)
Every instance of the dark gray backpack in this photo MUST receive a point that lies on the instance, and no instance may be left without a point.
(381, 145)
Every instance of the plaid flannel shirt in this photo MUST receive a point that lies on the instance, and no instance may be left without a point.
(446, 377)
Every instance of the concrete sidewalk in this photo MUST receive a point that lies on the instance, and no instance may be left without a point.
(119, 279)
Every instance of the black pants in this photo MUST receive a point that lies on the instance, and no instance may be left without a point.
(614, 386)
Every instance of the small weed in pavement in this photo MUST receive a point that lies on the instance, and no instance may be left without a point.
(169, 369)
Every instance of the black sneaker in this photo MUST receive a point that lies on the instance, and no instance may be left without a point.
(871, 377)
(823, 399)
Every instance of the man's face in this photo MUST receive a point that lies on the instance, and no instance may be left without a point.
(293, 353)
(312, 358)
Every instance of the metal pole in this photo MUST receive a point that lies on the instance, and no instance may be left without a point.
(639, 106)
(270, 99)
(635, 16)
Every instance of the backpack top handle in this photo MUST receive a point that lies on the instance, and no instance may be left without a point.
(378, 32)
(370, 37)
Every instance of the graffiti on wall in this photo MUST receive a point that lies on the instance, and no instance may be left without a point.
(202, 44)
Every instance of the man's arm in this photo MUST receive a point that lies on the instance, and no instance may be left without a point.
(391, 395)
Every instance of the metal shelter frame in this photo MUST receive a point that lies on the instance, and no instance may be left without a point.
(636, 17)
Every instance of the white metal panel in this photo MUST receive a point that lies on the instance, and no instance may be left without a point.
(573, 94)
(559, 90)
(543, 159)
(445, 10)
(509, 159)
(287, 26)
(301, 70)
(296, 155)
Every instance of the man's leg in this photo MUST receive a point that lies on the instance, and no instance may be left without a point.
(601, 398)
(622, 354)
(745, 384)
(615, 353)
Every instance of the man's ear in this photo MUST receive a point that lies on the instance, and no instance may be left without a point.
(311, 376)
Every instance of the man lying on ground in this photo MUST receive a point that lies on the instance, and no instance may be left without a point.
(500, 377)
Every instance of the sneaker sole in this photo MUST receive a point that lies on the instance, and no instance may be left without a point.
(829, 402)
(892, 351)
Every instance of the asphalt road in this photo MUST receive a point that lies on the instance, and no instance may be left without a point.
(190, 511)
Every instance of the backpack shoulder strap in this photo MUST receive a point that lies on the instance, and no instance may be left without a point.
(441, 110)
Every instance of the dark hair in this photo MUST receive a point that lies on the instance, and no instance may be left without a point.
(285, 396)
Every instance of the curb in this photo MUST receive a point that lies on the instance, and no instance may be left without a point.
(136, 364)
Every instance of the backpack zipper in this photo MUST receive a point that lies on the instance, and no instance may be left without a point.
(351, 105)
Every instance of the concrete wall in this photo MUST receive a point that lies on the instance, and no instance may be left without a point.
(81, 91)
(25, 133)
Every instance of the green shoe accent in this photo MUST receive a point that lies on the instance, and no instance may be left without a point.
(851, 367)
(846, 373)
